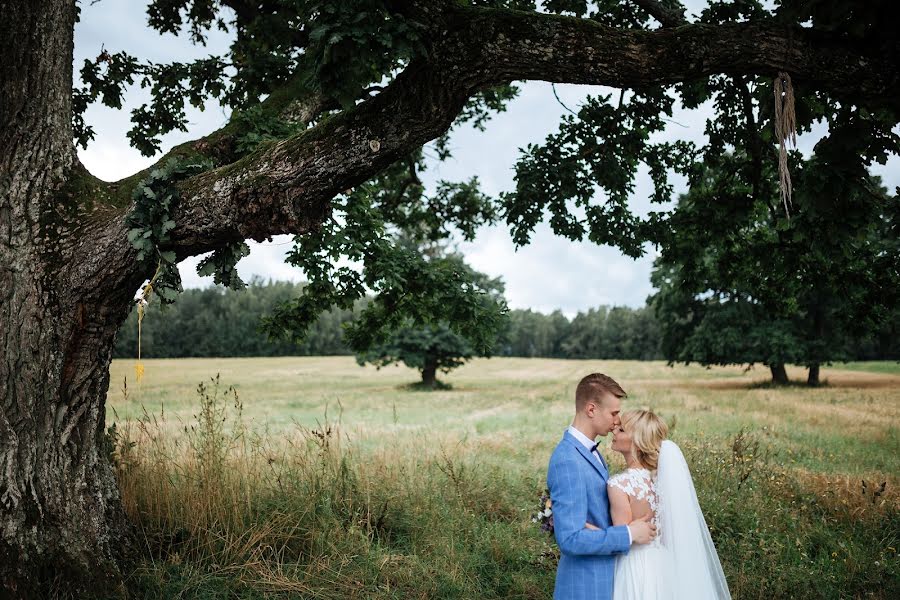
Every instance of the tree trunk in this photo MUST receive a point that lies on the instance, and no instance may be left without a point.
(62, 298)
(817, 347)
(429, 372)
(813, 378)
(779, 374)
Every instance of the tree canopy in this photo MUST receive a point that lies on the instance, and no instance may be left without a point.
(742, 283)
(302, 74)
(433, 347)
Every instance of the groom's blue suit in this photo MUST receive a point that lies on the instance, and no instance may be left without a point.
(577, 482)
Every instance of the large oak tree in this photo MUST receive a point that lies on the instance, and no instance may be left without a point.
(327, 96)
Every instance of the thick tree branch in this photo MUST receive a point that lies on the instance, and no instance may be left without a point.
(523, 45)
(286, 187)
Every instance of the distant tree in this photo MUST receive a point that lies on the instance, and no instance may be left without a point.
(218, 321)
(587, 334)
(619, 332)
(533, 334)
(429, 348)
(432, 347)
(740, 282)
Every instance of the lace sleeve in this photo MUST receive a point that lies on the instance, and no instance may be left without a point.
(635, 483)
(619, 482)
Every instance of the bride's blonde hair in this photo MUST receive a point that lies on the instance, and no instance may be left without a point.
(647, 433)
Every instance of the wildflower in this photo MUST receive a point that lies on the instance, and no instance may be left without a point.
(544, 514)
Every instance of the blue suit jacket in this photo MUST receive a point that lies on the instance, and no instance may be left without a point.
(577, 482)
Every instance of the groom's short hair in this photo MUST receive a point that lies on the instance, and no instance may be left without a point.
(593, 386)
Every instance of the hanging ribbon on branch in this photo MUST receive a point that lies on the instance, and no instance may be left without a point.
(142, 300)
(785, 130)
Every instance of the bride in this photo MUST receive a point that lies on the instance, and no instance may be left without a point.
(682, 562)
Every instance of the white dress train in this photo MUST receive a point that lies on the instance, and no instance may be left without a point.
(682, 562)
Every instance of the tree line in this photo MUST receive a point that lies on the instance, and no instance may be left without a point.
(217, 321)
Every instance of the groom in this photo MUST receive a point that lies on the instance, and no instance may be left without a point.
(577, 480)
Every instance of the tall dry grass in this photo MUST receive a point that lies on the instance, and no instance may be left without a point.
(227, 509)
(231, 511)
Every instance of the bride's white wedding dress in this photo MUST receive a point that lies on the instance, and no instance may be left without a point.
(644, 571)
(681, 563)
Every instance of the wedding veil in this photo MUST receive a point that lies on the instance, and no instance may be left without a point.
(697, 571)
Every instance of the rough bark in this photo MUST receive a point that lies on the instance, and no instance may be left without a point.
(287, 187)
(61, 300)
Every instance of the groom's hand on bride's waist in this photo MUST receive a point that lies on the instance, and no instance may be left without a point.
(642, 530)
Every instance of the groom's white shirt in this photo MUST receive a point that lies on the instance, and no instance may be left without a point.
(589, 443)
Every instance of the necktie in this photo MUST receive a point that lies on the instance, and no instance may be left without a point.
(595, 449)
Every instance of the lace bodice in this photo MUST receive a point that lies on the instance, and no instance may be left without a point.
(639, 484)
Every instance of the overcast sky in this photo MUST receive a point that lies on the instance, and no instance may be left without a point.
(551, 273)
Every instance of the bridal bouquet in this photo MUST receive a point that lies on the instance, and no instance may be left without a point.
(544, 514)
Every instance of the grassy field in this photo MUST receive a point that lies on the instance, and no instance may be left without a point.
(329, 480)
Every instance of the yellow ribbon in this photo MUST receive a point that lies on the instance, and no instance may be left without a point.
(144, 299)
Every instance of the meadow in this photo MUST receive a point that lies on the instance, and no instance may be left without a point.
(317, 478)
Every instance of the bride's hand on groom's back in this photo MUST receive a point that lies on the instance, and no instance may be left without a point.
(642, 530)
(590, 526)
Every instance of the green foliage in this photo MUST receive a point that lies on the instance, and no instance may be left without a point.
(615, 333)
(532, 334)
(740, 282)
(580, 178)
(222, 265)
(406, 286)
(859, 20)
(343, 32)
(105, 78)
(169, 16)
(150, 222)
(429, 349)
(338, 48)
(171, 85)
(600, 149)
(432, 347)
(258, 126)
(223, 322)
